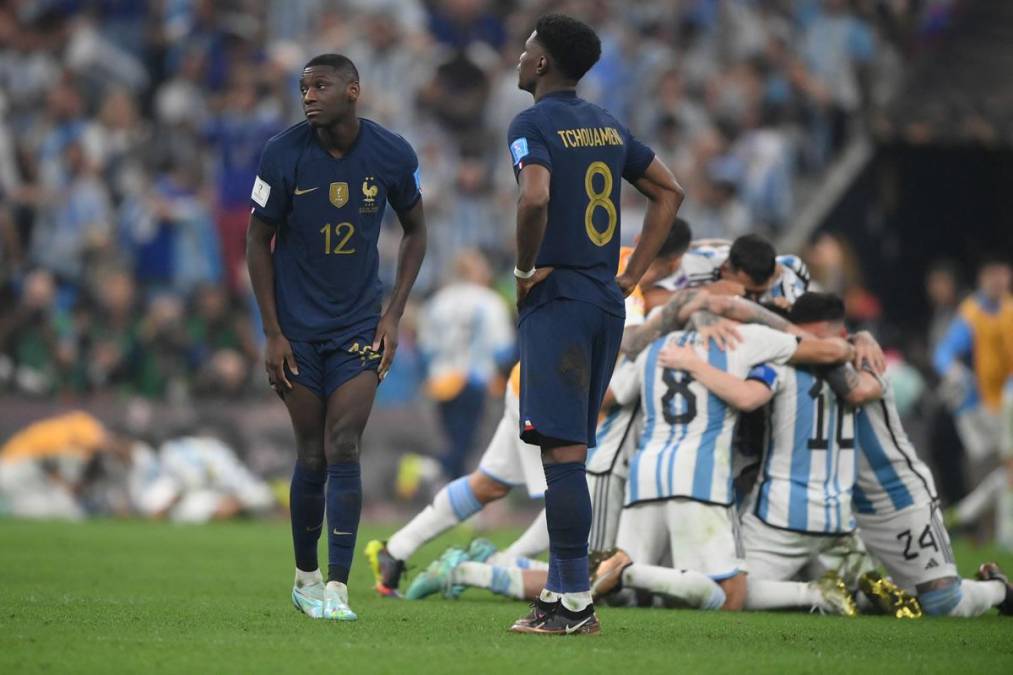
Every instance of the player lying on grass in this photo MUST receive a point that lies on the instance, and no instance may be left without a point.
(896, 505)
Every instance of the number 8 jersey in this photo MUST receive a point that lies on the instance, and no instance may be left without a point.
(685, 448)
(586, 152)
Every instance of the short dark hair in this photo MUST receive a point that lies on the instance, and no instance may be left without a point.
(677, 240)
(753, 255)
(572, 44)
(811, 307)
(338, 62)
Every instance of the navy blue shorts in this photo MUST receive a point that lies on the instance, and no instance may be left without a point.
(568, 351)
(327, 364)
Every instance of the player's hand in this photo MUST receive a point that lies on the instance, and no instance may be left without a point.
(524, 286)
(868, 353)
(679, 357)
(626, 284)
(386, 337)
(278, 355)
(724, 332)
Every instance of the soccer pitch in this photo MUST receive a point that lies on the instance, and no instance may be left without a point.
(139, 596)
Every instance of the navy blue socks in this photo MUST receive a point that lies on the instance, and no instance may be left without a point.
(306, 499)
(344, 504)
(568, 514)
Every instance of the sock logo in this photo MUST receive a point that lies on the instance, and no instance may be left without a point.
(932, 563)
(335, 531)
(310, 529)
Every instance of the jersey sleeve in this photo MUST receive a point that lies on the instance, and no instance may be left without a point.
(761, 344)
(625, 382)
(765, 374)
(527, 143)
(272, 192)
(406, 187)
(638, 158)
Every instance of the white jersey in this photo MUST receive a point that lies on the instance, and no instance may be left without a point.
(618, 429)
(685, 449)
(891, 477)
(702, 265)
(808, 473)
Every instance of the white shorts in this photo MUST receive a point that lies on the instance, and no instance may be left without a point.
(26, 491)
(508, 459)
(912, 544)
(781, 555)
(700, 537)
(608, 491)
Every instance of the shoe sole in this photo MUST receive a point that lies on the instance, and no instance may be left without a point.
(530, 630)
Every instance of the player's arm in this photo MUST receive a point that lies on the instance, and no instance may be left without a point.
(664, 197)
(532, 219)
(744, 395)
(409, 260)
(822, 352)
(857, 387)
(278, 351)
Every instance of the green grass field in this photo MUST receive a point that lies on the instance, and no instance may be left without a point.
(133, 596)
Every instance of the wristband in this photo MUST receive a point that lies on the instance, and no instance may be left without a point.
(524, 275)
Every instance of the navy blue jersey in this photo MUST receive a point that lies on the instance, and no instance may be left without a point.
(587, 151)
(328, 213)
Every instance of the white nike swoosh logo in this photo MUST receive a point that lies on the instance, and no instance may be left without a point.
(302, 192)
(339, 533)
(571, 629)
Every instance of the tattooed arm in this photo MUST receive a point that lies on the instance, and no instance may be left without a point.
(857, 387)
(680, 307)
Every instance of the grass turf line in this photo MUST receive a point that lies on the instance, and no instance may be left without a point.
(128, 596)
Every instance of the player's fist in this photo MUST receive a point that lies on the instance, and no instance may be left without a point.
(524, 286)
(277, 355)
(626, 284)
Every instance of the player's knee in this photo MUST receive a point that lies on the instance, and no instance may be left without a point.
(735, 593)
(311, 457)
(564, 454)
(938, 598)
(487, 489)
(342, 446)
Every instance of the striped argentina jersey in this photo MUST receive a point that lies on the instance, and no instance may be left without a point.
(891, 477)
(702, 265)
(685, 448)
(618, 427)
(808, 473)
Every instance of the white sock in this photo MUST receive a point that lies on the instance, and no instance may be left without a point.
(504, 559)
(977, 597)
(303, 578)
(695, 589)
(575, 602)
(1004, 518)
(433, 521)
(533, 542)
(762, 594)
(549, 596)
(508, 581)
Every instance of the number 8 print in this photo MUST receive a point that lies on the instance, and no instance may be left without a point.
(598, 200)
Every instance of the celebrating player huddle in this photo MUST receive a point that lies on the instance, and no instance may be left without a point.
(703, 430)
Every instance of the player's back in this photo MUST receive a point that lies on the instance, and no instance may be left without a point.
(890, 476)
(587, 153)
(808, 471)
(686, 443)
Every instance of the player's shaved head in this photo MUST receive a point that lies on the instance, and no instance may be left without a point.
(342, 64)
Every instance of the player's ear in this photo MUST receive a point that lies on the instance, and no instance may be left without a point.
(542, 65)
(353, 91)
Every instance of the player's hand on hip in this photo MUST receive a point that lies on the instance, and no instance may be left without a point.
(679, 357)
(524, 286)
(386, 337)
(278, 355)
(626, 284)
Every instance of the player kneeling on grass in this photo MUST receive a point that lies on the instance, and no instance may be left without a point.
(896, 505)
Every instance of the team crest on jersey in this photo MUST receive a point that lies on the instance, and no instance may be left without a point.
(338, 194)
(369, 193)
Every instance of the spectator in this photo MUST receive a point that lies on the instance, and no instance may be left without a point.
(466, 339)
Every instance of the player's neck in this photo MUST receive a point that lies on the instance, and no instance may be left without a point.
(339, 138)
(545, 87)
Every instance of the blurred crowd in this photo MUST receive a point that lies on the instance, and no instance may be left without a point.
(130, 134)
